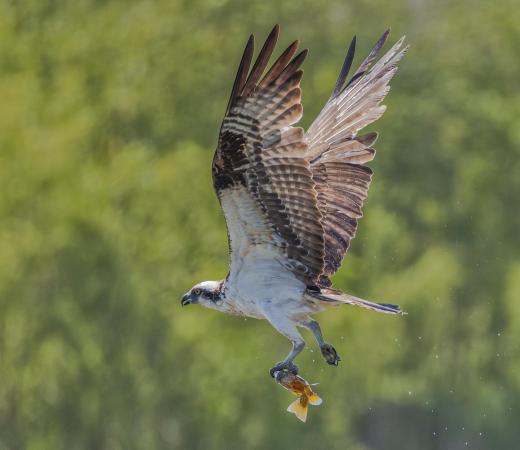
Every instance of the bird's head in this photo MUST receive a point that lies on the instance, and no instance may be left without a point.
(207, 293)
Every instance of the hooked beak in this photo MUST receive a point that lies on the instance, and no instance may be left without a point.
(186, 299)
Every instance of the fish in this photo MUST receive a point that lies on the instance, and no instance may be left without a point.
(300, 387)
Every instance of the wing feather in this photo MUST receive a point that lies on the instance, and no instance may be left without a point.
(338, 155)
(345, 69)
(274, 72)
(260, 172)
(242, 71)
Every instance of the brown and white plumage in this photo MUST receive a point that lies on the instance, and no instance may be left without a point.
(261, 154)
(291, 199)
(338, 155)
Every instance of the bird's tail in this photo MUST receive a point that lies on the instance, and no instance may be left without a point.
(335, 296)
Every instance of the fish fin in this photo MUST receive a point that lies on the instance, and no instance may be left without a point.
(315, 400)
(297, 408)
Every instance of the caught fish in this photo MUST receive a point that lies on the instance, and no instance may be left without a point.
(300, 387)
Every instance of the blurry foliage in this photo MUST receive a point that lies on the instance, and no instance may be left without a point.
(109, 117)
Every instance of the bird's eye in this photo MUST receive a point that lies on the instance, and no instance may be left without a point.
(196, 291)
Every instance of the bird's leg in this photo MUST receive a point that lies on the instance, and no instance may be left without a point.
(287, 363)
(287, 327)
(330, 355)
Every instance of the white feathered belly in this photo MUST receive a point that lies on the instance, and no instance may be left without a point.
(258, 283)
(264, 284)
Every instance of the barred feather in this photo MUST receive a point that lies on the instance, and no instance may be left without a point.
(299, 195)
(337, 154)
(260, 174)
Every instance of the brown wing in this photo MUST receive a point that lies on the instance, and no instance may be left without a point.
(337, 155)
(261, 177)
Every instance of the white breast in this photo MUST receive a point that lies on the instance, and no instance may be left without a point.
(257, 276)
(262, 283)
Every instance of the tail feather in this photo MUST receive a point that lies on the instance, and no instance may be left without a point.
(333, 295)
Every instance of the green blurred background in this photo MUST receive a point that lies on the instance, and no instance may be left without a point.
(109, 117)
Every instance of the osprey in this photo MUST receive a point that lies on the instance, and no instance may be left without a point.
(292, 199)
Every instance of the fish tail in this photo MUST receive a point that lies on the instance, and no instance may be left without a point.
(314, 399)
(299, 409)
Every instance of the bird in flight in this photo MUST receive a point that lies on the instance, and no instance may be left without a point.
(292, 199)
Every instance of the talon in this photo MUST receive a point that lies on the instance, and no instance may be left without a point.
(287, 366)
(330, 355)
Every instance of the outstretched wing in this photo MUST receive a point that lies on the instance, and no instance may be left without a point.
(260, 174)
(337, 155)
